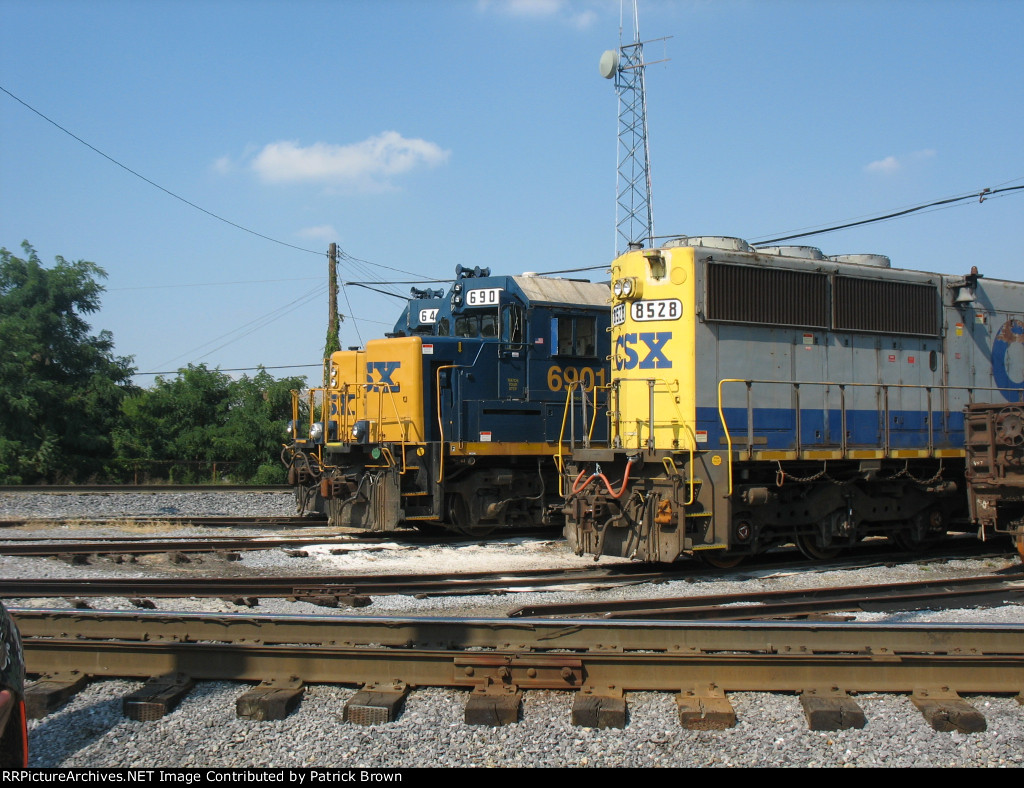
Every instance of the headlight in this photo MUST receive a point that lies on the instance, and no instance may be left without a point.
(290, 429)
(617, 288)
(316, 431)
(627, 287)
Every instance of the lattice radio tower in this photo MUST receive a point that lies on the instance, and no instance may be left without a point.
(634, 217)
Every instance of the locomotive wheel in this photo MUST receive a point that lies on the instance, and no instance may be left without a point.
(458, 516)
(720, 559)
(911, 541)
(921, 537)
(810, 546)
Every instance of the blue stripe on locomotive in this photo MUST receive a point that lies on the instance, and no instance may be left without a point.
(775, 428)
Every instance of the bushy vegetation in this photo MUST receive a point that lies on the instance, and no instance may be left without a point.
(72, 414)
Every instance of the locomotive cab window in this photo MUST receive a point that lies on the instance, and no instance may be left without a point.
(512, 323)
(467, 326)
(488, 326)
(574, 336)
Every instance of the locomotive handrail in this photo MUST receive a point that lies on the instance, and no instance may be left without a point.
(651, 384)
(567, 409)
(440, 420)
(883, 389)
(672, 470)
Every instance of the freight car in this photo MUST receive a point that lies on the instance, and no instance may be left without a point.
(455, 418)
(768, 396)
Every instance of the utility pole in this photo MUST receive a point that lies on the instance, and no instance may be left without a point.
(333, 323)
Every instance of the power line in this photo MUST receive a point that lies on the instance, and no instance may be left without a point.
(980, 196)
(157, 185)
(217, 284)
(239, 369)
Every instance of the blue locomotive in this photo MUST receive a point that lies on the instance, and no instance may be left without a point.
(457, 418)
(767, 396)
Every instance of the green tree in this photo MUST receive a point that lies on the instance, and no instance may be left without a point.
(183, 428)
(61, 385)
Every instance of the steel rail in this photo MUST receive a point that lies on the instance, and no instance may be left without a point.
(631, 656)
(121, 546)
(165, 521)
(32, 546)
(92, 489)
(987, 590)
(316, 585)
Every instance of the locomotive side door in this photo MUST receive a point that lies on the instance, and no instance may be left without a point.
(512, 353)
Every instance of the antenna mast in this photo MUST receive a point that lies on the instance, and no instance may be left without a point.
(634, 217)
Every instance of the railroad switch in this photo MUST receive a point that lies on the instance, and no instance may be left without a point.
(831, 710)
(376, 703)
(271, 700)
(599, 707)
(158, 697)
(705, 709)
(51, 692)
(946, 711)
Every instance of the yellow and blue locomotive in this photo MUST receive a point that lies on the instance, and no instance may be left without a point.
(774, 395)
(455, 418)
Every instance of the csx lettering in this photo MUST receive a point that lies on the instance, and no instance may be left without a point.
(628, 357)
(347, 408)
(378, 375)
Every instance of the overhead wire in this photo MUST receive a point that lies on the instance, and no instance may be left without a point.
(981, 196)
(364, 267)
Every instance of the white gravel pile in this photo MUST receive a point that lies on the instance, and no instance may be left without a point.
(204, 732)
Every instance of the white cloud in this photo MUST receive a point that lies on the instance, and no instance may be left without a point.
(522, 7)
(886, 165)
(323, 232)
(368, 163)
(891, 164)
(562, 10)
(223, 165)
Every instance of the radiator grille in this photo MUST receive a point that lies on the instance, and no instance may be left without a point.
(769, 296)
(807, 299)
(885, 307)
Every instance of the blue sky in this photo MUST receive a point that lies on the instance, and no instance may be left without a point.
(421, 134)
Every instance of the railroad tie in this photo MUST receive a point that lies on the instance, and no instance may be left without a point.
(158, 697)
(274, 699)
(376, 703)
(599, 707)
(51, 692)
(705, 709)
(831, 709)
(946, 711)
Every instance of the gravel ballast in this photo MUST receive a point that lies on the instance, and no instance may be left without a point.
(90, 730)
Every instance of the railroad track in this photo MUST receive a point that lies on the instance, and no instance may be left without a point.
(500, 659)
(99, 489)
(323, 588)
(206, 544)
(984, 591)
(162, 521)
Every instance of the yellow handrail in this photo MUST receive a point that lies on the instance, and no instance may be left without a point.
(569, 390)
